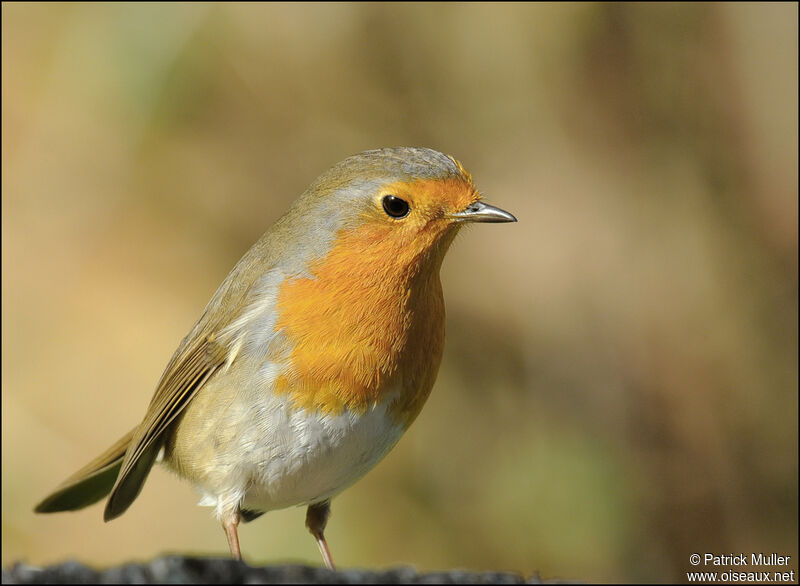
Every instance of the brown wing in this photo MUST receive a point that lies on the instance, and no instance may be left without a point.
(191, 366)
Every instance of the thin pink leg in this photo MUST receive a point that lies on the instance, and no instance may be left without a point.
(230, 523)
(316, 519)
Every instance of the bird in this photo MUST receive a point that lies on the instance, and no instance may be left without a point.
(314, 355)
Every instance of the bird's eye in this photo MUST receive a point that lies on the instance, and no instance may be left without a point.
(395, 207)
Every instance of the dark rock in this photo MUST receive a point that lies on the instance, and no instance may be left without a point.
(188, 570)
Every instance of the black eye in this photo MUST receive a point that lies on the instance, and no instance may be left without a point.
(395, 207)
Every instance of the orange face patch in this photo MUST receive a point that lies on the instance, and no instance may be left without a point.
(370, 322)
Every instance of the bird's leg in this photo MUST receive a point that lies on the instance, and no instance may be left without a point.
(316, 519)
(230, 522)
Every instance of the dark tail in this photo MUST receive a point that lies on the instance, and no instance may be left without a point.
(89, 484)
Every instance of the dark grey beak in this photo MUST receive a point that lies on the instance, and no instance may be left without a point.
(483, 212)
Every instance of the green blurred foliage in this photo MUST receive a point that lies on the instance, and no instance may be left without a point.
(619, 388)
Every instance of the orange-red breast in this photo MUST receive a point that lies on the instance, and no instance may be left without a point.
(314, 355)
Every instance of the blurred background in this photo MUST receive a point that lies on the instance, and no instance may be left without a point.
(619, 387)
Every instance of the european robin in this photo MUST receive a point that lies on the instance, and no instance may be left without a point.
(314, 355)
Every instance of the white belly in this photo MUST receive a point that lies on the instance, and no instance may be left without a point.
(289, 457)
(317, 456)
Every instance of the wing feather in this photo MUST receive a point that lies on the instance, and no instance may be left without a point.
(185, 375)
(211, 343)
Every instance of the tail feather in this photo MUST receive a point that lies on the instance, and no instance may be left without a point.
(89, 484)
(124, 490)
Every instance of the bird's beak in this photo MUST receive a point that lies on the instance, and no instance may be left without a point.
(482, 212)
